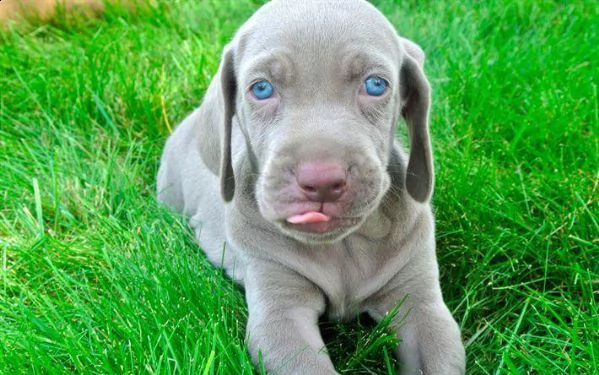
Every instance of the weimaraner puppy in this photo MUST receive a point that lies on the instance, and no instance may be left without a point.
(294, 182)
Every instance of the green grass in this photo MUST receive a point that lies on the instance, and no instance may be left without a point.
(96, 277)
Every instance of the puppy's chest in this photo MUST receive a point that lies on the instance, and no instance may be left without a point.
(350, 273)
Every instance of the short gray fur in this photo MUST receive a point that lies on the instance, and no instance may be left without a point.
(229, 166)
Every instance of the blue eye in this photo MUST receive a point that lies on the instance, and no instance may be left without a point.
(375, 86)
(262, 90)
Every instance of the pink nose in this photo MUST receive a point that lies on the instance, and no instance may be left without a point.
(322, 182)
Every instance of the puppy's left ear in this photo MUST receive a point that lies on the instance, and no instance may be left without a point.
(415, 102)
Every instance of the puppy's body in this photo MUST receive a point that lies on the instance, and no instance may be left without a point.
(268, 157)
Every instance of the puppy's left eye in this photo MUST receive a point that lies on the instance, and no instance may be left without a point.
(375, 86)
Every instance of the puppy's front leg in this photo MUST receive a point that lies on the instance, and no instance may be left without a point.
(283, 321)
(430, 338)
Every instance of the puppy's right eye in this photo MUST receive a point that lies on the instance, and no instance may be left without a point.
(262, 90)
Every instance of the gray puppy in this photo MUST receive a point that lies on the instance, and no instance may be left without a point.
(291, 160)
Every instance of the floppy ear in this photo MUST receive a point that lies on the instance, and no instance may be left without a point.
(229, 90)
(215, 117)
(415, 100)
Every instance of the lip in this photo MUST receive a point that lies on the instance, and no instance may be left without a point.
(325, 226)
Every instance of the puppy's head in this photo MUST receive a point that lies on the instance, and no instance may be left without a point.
(317, 88)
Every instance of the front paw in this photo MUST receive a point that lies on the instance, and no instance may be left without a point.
(431, 344)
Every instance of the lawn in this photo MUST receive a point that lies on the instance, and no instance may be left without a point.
(96, 277)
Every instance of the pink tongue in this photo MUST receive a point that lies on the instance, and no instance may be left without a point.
(308, 217)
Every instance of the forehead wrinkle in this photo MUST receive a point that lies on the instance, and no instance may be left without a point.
(274, 65)
(311, 30)
(358, 62)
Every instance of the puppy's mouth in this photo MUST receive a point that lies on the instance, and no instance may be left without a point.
(318, 222)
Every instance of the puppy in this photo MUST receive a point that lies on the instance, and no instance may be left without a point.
(294, 182)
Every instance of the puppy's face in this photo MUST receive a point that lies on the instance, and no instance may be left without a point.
(318, 96)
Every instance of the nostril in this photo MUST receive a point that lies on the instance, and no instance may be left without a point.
(309, 188)
(339, 186)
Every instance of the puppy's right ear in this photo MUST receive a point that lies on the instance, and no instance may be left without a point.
(216, 117)
(229, 90)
